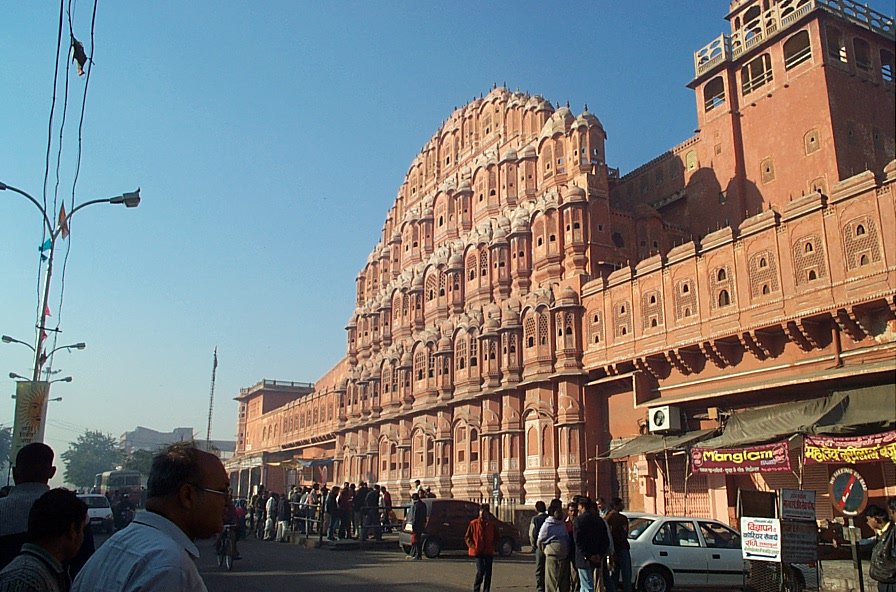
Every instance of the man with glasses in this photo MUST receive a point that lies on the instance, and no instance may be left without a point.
(187, 493)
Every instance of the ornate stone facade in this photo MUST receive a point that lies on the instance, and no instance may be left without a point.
(525, 305)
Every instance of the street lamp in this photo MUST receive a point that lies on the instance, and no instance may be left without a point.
(15, 376)
(130, 200)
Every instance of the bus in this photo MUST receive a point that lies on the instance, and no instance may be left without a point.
(120, 481)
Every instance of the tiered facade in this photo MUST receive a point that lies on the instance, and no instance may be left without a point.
(526, 306)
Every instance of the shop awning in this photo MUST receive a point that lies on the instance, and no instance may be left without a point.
(862, 410)
(650, 443)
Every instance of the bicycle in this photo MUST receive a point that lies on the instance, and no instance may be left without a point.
(225, 547)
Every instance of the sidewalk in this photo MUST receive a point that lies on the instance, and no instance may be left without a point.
(840, 576)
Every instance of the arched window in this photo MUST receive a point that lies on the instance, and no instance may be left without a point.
(797, 50)
(809, 247)
(762, 262)
(860, 230)
(765, 289)
(724, 298)
(863, 54)
(722, 276)
(836, 45)
(714, 93)
(886, 65)
(812, 275)
(756, 73)
(685, 288)
(863, 260)
(687, 311)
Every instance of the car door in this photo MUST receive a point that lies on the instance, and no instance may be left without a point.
(677, 546)
(456, 518)
(724, 557)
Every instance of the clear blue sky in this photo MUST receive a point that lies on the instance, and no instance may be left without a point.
(269, 140)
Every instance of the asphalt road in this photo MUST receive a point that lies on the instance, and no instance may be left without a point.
(270, 566)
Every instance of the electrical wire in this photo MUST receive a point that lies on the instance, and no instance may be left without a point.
(77, 160)
(47, 158)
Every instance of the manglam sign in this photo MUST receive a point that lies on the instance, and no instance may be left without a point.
(767, 458)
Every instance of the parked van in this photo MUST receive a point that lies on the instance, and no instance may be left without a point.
(446, 525)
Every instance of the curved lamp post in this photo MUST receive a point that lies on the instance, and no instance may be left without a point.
(130, 200)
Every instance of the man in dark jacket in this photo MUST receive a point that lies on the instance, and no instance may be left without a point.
(592, 542)
(417, 517)
(358, 505)
(622, 558)
(371, 524)
(331, 507)
(534, 529)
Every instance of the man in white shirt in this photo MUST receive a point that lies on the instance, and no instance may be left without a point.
(187, 491)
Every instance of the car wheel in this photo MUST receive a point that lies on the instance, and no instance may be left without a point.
(655, 579)
(505, 547)
(432, 547)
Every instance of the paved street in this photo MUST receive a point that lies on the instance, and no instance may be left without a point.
(274, 566)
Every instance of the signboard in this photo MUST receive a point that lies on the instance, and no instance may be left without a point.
(31, 405)
(852, 450)
(797, 504)
(799, 541)
(769, 458)
(761, 539)
(849, 492)
(496, 485)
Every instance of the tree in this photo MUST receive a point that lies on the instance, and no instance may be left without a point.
(139, 460)
(93, 452)
(5, 443)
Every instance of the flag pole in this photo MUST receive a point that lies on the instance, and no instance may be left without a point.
(211, 402)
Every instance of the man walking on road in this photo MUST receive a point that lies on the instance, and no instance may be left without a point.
(187, 490)
(482, 539)
(417, 518)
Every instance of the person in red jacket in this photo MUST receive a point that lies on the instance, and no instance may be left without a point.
(482, 539)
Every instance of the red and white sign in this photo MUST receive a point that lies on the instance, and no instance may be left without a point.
(761, 539)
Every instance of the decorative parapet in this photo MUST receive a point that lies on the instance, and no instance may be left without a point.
(779, 17)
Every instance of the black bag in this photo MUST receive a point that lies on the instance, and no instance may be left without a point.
(883, 564)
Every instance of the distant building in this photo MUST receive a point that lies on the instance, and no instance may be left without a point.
(257, 428)
(143, 438)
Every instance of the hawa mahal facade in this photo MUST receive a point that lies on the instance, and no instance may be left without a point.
(527, 307)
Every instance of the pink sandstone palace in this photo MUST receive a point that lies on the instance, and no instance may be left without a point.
(529, 313)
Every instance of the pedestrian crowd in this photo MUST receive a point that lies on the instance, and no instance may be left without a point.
(347, 512)
(581, 546)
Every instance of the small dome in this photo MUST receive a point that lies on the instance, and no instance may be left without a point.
(500, 236)
(445, 344)
(529, 152)
(510, 155)
(573, 194)
(456, 261)
(568, 297)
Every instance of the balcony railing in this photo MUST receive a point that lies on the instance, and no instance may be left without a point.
(726, 48)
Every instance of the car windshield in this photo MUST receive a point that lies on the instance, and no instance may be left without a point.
(637, 526)
(96, 502)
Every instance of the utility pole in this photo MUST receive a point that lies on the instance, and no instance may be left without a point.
(211, 402)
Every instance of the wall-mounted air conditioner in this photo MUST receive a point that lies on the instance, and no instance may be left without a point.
(665, 418)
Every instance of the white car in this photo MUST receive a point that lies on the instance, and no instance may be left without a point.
(99, 511)
(693, 552)
(687, 552)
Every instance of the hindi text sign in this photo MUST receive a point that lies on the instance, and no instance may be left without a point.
(761, 539)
